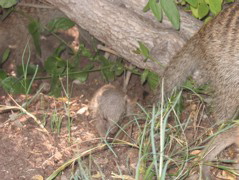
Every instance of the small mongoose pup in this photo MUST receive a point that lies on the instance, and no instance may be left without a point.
(214, 52)
(109, 106)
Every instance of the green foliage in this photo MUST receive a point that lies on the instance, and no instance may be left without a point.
(202, 8)
(6, 7)
(5, 56)
(166, 6)
(57, 67)
(34, 28)
(143, 50)
(110, 69)
(55, 86)
(156, 154)
(13, 85)
(60, 23)
(20, 84)
(144, 76)
(147, 76)
(200, 11)
(3, 75)
(156, 9)
(193, 3)
(151, 78)
(56, 122)
(83, 75)
(215, 6)
(8, 3)
(199, 8)
(171, 11)
(31, 69)
(191, 85)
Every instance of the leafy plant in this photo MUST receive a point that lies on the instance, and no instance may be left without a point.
(34, 28)
(6, 7)
(202, 8)
(60, 23)
(151, 78)
(8, 3)
(4, 57)
(57, 67)
(20, 84)
(166, 6)
(148, 76)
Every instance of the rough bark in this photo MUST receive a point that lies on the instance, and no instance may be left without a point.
(121, 24)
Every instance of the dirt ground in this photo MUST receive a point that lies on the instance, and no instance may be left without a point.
(27, 151)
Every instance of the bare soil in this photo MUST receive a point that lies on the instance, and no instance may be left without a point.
(28, 151)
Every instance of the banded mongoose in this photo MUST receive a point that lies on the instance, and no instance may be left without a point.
(213, 51)
(109, 106)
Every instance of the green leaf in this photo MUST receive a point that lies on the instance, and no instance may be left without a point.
(144, 76)
(14, 85)
(107, 69)
(5, 55)
(55, 65)
(108, 75)
(86, 52)
(34, 29)
(194, 11)
(55, 86)
(7, 3)
(215, 6)
(207, 19)
(61, 23)
(31, 69)
(144, 50)
(156, 9)
(191, 85)
(119, 69)
(193, 3)
(153, 80)
(203, 10)
(82, 76)
(171, 11)
(146, 8)
(59, 50)
(182, 2)
(3, 74)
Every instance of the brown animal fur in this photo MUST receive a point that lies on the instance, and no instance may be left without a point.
(109, 106)
(214, 51)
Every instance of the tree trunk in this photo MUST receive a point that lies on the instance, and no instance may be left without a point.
(121, 24)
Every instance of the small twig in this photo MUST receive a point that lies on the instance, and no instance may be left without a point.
(127, 78)
(106, 49)
(87, 153)
(126, 177)
(25, 111)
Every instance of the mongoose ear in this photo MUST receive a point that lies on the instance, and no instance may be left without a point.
(130, 105)
(131, 101)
